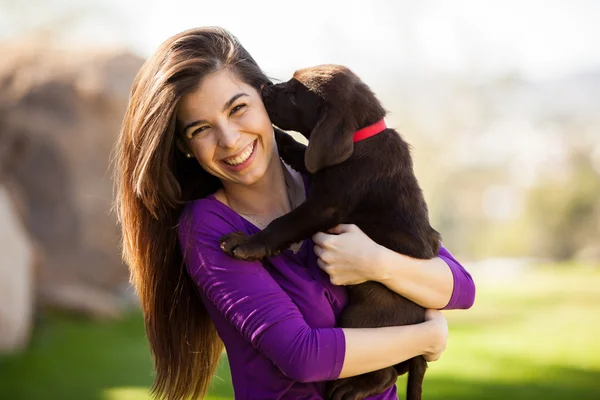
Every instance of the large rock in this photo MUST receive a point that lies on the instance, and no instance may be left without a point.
(17, 269)
(60, 113)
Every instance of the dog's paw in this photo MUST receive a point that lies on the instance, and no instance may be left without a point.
(244, 247)
(230, 241)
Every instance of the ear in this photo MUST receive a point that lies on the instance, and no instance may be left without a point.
(330, 142)
(181, 146)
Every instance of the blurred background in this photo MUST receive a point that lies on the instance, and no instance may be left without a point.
(500, 101)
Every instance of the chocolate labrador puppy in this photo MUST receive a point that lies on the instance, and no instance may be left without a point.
(360, 172)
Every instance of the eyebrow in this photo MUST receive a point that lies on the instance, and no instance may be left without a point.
(225, 107)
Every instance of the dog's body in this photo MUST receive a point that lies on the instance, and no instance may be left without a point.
(369, 183)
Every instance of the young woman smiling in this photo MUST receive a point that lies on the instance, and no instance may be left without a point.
(195, 160)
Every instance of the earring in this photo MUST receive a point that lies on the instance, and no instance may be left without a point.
(188, 155)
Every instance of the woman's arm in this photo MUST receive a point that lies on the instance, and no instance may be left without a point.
(372, 349)
(431, 283)
(255, 305)
(349, 256)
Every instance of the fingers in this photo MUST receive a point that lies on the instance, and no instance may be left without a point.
(336, 230)
(325, 267)
(319, 251)
(441, 334)
(319, 238)
(322, 264)
(329, 239)
(342, 228)
(323, 260)
(334, 276)
(432, 313)
(432, 357)
(325, 240)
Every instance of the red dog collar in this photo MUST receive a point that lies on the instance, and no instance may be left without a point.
(369, 131)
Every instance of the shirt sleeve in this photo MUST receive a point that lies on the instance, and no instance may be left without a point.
(463, 293)
(254, 303)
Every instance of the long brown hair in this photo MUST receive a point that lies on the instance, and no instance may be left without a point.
(153, 180)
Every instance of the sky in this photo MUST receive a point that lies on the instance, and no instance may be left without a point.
(538, 39)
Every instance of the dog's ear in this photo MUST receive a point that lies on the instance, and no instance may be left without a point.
(330, 142)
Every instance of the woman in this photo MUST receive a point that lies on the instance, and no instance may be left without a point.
(195, 160)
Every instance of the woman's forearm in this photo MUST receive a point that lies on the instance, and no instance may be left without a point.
(428, 283)
(350, 257)
(371, 349)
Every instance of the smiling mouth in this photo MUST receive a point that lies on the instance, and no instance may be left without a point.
(242, 157)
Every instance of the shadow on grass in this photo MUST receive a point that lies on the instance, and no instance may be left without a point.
(78, 359)
(552, 383)
(545, 383)
(71, 358)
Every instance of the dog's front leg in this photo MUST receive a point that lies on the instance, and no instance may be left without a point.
(291, 151)
(304, 221)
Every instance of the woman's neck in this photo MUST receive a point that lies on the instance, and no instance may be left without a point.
(267, 197)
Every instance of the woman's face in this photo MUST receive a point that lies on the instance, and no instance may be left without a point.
(227, 129)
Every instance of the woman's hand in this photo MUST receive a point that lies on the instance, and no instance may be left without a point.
(348, 255)
(439, 327)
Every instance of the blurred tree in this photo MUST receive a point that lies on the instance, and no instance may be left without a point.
(565, 213)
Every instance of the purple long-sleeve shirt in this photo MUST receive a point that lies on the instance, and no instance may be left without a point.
(277, 318)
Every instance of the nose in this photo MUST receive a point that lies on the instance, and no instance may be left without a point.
(229, 136)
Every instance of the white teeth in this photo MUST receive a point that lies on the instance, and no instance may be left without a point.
(242, 157)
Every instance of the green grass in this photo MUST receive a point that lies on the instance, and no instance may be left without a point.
(534, 336)
(531, 335)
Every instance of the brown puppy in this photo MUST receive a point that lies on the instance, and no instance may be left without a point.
(370, 183)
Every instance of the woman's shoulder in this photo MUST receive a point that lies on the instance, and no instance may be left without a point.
(208, 217)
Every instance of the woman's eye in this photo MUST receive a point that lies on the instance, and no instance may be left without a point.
(199, 130)
(237, 108)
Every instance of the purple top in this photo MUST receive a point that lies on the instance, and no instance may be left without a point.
(277, 318)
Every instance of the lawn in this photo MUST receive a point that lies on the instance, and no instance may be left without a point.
(533, 334)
